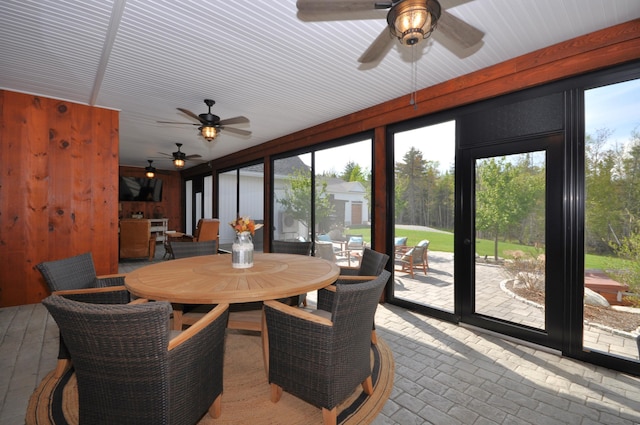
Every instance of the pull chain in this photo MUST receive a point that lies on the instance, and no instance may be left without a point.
(414, 78)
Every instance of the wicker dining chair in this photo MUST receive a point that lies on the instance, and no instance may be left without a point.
(190, 314)
(291, 247)
(330, 355)
(75, 278)
(185, 249)
(371, 266)
(129, 371)
(297, 248)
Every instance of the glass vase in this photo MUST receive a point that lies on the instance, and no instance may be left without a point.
(242, 251)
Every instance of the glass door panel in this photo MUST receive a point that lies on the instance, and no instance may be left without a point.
(612, 213)
(342, 202)
(510, 281)
(251, 202)
(227, 206)
(292, 198)
(424, 215)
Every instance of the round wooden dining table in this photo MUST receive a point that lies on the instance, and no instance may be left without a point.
(210, 279)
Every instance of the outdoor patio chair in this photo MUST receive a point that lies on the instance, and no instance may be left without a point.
(75, 278)
(414, 258)
(330, 355)
(130, 371)
(355, 242)
(327, 251)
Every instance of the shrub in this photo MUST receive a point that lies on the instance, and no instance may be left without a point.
(526, 268)
(629, 249)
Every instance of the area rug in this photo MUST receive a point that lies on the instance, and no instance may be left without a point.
(246, 396)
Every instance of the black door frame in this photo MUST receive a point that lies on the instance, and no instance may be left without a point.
(552, 334)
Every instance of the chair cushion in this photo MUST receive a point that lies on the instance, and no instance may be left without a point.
(400, 241)
(355, 241)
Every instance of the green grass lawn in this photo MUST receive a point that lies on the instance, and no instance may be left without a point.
(439, 241)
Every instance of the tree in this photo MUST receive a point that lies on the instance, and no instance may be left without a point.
(297, 198)
(612, 181)
(355, 173)
(505, 195)
(410, 187)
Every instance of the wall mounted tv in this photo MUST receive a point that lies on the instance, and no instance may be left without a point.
(140, 189)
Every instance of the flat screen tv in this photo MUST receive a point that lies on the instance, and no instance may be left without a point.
(140, 189)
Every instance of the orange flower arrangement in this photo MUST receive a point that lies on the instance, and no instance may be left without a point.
(244, 224)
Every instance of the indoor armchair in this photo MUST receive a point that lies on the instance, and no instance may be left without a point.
(206, 230)
(136, 240)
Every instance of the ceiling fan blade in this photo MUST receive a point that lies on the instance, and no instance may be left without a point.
(191, 114)
(194, 156)
(237, 131)
(458, 31)
(378, 48)
(166, 172)
(235, 120)
(340, 10)
(166, 154)
(340, 5)
(173, 122)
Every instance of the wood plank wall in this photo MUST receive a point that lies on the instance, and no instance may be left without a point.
(58, 189)
(171, 205)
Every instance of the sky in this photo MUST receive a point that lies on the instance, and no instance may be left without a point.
(615, 107)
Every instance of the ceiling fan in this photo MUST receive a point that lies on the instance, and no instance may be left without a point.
(210, 124)
(409, 21)
(180, 157)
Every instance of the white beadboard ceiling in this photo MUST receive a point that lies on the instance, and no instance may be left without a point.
(254, 58)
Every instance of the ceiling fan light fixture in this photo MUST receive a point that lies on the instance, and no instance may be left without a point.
(411, 21)
(209, 132)
(150, 171)
(178, 163)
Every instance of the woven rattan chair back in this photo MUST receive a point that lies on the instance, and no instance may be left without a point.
(372, 263)
(291, 247)
(187, 249)
(76, 272)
